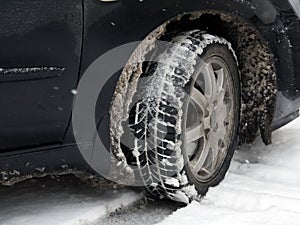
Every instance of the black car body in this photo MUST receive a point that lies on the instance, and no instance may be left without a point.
(46, 46)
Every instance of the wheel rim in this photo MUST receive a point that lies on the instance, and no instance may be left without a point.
(209, 119)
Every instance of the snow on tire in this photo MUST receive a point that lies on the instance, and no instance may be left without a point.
(157, 125)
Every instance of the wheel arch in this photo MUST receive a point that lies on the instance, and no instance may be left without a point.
(257, 71)
(258, 109)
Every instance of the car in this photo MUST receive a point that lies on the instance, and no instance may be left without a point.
(154, 93)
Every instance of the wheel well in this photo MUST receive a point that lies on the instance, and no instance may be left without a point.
(256, 65)
(255, 62)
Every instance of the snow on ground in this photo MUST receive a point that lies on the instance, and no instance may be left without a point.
(67, 201)
(262, 187)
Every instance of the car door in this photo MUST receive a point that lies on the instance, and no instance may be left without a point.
(40, 48)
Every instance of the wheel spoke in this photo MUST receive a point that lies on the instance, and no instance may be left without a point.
(213, 142)
(221, 85)
(191, 148)
(199, 161)
(194, 133)
(222, 112)
(199, 99)
(222, 130)
(220, 75)
(209, 81)
(224, 117)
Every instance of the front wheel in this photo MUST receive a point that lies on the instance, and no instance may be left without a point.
(185, 117)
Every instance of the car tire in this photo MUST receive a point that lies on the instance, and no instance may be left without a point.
(184, 117)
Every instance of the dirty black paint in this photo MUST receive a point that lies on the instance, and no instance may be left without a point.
(35, 73)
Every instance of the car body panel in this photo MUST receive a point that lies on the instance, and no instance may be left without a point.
(40, 50)
(110, 24)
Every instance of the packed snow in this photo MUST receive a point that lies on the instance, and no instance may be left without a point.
(60, 201)
(262, 187)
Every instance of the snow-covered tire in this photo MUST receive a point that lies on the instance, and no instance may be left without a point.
(157, 128)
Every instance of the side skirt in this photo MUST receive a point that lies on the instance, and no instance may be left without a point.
(53, 160)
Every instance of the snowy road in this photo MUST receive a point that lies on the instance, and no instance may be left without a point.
(262, 187)
(60, 201)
